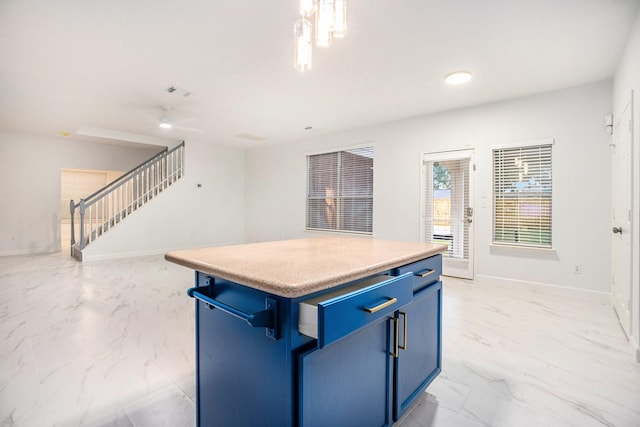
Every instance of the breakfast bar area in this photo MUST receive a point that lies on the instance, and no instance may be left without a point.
(314, 332)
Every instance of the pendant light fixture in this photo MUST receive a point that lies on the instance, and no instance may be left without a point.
(340, 20)
(325, 16)
(331, 21)
(302, 44)
(307, 7)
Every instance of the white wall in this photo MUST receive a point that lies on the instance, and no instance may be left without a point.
(30, 185)
(185, 215)
(275, 180)
(627, 78)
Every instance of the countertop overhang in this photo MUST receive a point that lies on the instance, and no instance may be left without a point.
(295, 268)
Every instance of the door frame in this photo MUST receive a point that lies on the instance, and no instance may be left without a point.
(450, 266)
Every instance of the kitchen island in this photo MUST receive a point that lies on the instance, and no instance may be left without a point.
(314, 332)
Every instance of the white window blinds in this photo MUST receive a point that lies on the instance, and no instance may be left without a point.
(340, 191)
(522, 190)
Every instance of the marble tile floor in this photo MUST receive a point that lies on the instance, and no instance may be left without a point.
(97, 344)
(521, 355)
(111, 343)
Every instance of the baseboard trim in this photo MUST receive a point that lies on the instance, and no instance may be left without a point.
(482, 278)
(120, 255)
(37, 251)
(134, 254)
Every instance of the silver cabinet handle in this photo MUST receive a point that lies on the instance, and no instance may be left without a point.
(617, 230)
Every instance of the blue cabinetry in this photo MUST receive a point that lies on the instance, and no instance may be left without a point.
(419, 362)
(243, 377)
(348, 383)
(356, 355)
(419, 358)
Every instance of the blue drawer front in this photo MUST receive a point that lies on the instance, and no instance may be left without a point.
(342, 315)
(424, 272)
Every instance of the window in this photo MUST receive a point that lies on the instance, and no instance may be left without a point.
(522, 195)
(340, 191)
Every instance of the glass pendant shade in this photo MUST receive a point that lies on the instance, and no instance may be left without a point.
(330, 21)
(340, 24)
(325, 16)
(302, 45)
(307, 7)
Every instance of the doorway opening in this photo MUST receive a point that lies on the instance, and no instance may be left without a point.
(447, 208)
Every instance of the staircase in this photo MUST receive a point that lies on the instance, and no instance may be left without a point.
(104, 209)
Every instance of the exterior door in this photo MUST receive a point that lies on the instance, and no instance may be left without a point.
(447, 208)
(621, 216)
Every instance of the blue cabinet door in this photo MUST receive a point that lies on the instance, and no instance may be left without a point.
(420, 362)
(347, 383)
(244, 378)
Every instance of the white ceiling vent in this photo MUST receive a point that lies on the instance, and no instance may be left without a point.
(178, 91)
(251, 137)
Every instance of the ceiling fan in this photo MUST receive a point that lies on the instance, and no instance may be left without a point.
(167, 121)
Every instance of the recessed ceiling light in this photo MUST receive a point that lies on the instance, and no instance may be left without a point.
(458, 77)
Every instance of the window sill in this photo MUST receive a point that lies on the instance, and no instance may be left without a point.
(321, 230)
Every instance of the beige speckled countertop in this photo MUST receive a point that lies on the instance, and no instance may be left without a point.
(294, 268)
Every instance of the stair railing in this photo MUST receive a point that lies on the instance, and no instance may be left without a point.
(112, 203)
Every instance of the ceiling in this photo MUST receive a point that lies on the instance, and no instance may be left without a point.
(107, 64)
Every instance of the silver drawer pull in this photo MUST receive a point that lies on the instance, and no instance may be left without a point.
(381, 306)
(425, 273)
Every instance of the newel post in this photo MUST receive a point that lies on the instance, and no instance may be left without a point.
(72, 208)
(82, 209)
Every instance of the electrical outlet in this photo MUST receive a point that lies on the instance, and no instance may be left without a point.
(577, 269)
